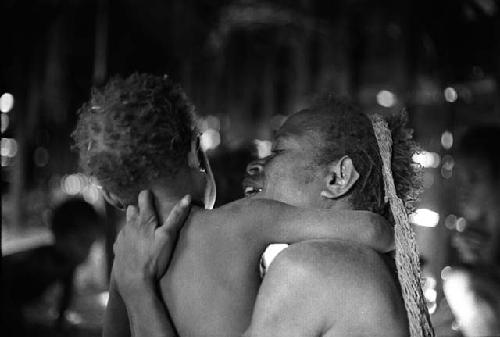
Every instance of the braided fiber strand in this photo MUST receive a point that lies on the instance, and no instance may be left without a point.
(407, 258)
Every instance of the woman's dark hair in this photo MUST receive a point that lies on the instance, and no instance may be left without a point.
(346, 130)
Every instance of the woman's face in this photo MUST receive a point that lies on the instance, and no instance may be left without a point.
(290, 174)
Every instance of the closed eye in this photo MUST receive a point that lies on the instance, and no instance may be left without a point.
(274, 153)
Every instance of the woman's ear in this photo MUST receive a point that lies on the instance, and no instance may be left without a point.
(340, 178)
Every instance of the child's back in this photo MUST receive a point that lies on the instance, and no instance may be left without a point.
(213, 278)
(213, 275)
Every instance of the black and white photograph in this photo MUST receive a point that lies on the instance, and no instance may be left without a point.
(250, 168)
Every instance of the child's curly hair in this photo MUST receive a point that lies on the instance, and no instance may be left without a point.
(133, 131)
(348, 131)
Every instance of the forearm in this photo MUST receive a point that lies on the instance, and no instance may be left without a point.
(116, 323)
(282, 223)
(148, 314)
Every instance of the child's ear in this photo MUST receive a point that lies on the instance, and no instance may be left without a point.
(340, 178)
(113, 199)
(195, 154)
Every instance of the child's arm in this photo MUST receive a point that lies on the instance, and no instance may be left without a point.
(276, 222)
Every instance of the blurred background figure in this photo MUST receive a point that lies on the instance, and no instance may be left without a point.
(472, 287)
(478, 168)
(27, 275)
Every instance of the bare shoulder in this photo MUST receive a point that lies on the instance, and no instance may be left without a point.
(255, 211)
(237, 220)
(329, 257)
(353, 290)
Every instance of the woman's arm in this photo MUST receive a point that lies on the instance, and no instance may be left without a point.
(116, 322)
(142, 254)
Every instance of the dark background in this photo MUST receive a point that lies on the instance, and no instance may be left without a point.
(245, 64)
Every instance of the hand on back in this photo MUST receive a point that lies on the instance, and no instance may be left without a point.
(143, 249)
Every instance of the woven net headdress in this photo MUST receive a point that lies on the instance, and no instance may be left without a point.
(407, 258)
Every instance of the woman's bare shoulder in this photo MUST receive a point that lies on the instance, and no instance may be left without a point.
(337, 260)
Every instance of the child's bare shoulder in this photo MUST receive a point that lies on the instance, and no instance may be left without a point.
(243, 217)
(244, 210)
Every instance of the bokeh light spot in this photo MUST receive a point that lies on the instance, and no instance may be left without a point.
(427, 159)
(72, 184)
(450, 95)
(386, 98)
(6, 102)
(91, 193)
(447, 140)
(424, 217)
(460, 224)
(209, 139)
(8, 147)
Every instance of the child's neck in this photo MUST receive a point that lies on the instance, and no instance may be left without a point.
(166, 200)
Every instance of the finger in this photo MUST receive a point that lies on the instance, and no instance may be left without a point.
(147, 213)
(177, 216)
(165, 236)
(131, 213)
(117, 241)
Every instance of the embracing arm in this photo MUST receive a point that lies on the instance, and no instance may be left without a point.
(116, 323)
(142, 254)
(148, 315)
(277, 222)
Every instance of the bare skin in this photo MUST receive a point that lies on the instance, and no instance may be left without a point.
(213, 278)
(212, 282)
(328, 288)
(321, 288)
(153, 246)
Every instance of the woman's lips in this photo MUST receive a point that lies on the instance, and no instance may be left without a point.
(252, 186)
